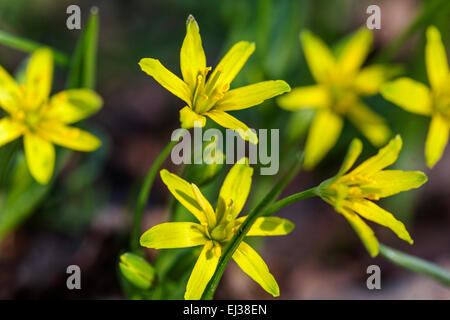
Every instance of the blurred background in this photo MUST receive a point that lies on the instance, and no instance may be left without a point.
(85, 217)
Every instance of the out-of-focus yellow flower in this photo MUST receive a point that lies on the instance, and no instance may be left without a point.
(210, 96)
(215, 229)
(41, 120)
(351, 193)
(340, 82)
(415, 97)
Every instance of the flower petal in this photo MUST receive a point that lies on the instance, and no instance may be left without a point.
(390, 182)
(252, 95)
(232, 62)
(436, 59)
(183, 192)
(370, 211)
(10, 93)
(10, 130)
(354, 150)
(436, 140)
(190, 119)
(203, 271)
(253, 265)
(409, 94)
(305, 97)
(385, 157)
(234, 191)
(39, 77)
(205, 205)
(73, 105)
(369, 80)
(320, 60)
(267, 226)
(192, 56)
(355, 51)
(323, 134)
(364, 232)
(69, 137)
(227, 121)
(372, 126)
(167, 79)
(173, 235)
(40, 155)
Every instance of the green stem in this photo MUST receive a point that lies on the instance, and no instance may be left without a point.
(30, 46)
(424, 16)
(416, 264)
(277, 206)
(144, 193)
(233, 244)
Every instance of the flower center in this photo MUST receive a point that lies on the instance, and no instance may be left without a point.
(208, 92)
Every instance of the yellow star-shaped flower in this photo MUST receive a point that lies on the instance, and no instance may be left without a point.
(351, 193)
(415, 97)
(215, 229)
(340, 82)
(41, 120)
(210, 96)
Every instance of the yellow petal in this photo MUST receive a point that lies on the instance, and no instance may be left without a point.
(205, 205)
(409, 94)
(10, 130)
(253, 265)
(192, 56)
(370, 211)
(369, 80)
(267, 226)
(234, 191)
(173, 235)
(385, 157)
(232, 62)
(167, 79)
(40, 155)
(73, 105)
(390, 182)
(355, 51)
(183, 192)
(305, 97)
(39, 77)
(320, 59)
(354, 150)
(436, 59)
(372, 126)
(227, 121)
(10, 94)
(364, 232)
(203, 271)
(190, 119)
(69, 137)
(436, 140)
(252, 95)
(323, 134)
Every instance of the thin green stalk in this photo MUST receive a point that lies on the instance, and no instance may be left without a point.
(416, 264)
(277, 206)
(144, 193)
(26, 45)
(424, 17)
(231, 246)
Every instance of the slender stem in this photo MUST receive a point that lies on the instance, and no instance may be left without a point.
(233, 244)
(144, 193)
(30, 46)
(289, 200)
(416, 264)
(423, 17)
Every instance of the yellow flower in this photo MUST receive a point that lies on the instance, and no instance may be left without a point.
(415, 97)
(350, 193)
(41, 120)
(210, 96)
(215, 229)
(340, 82)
